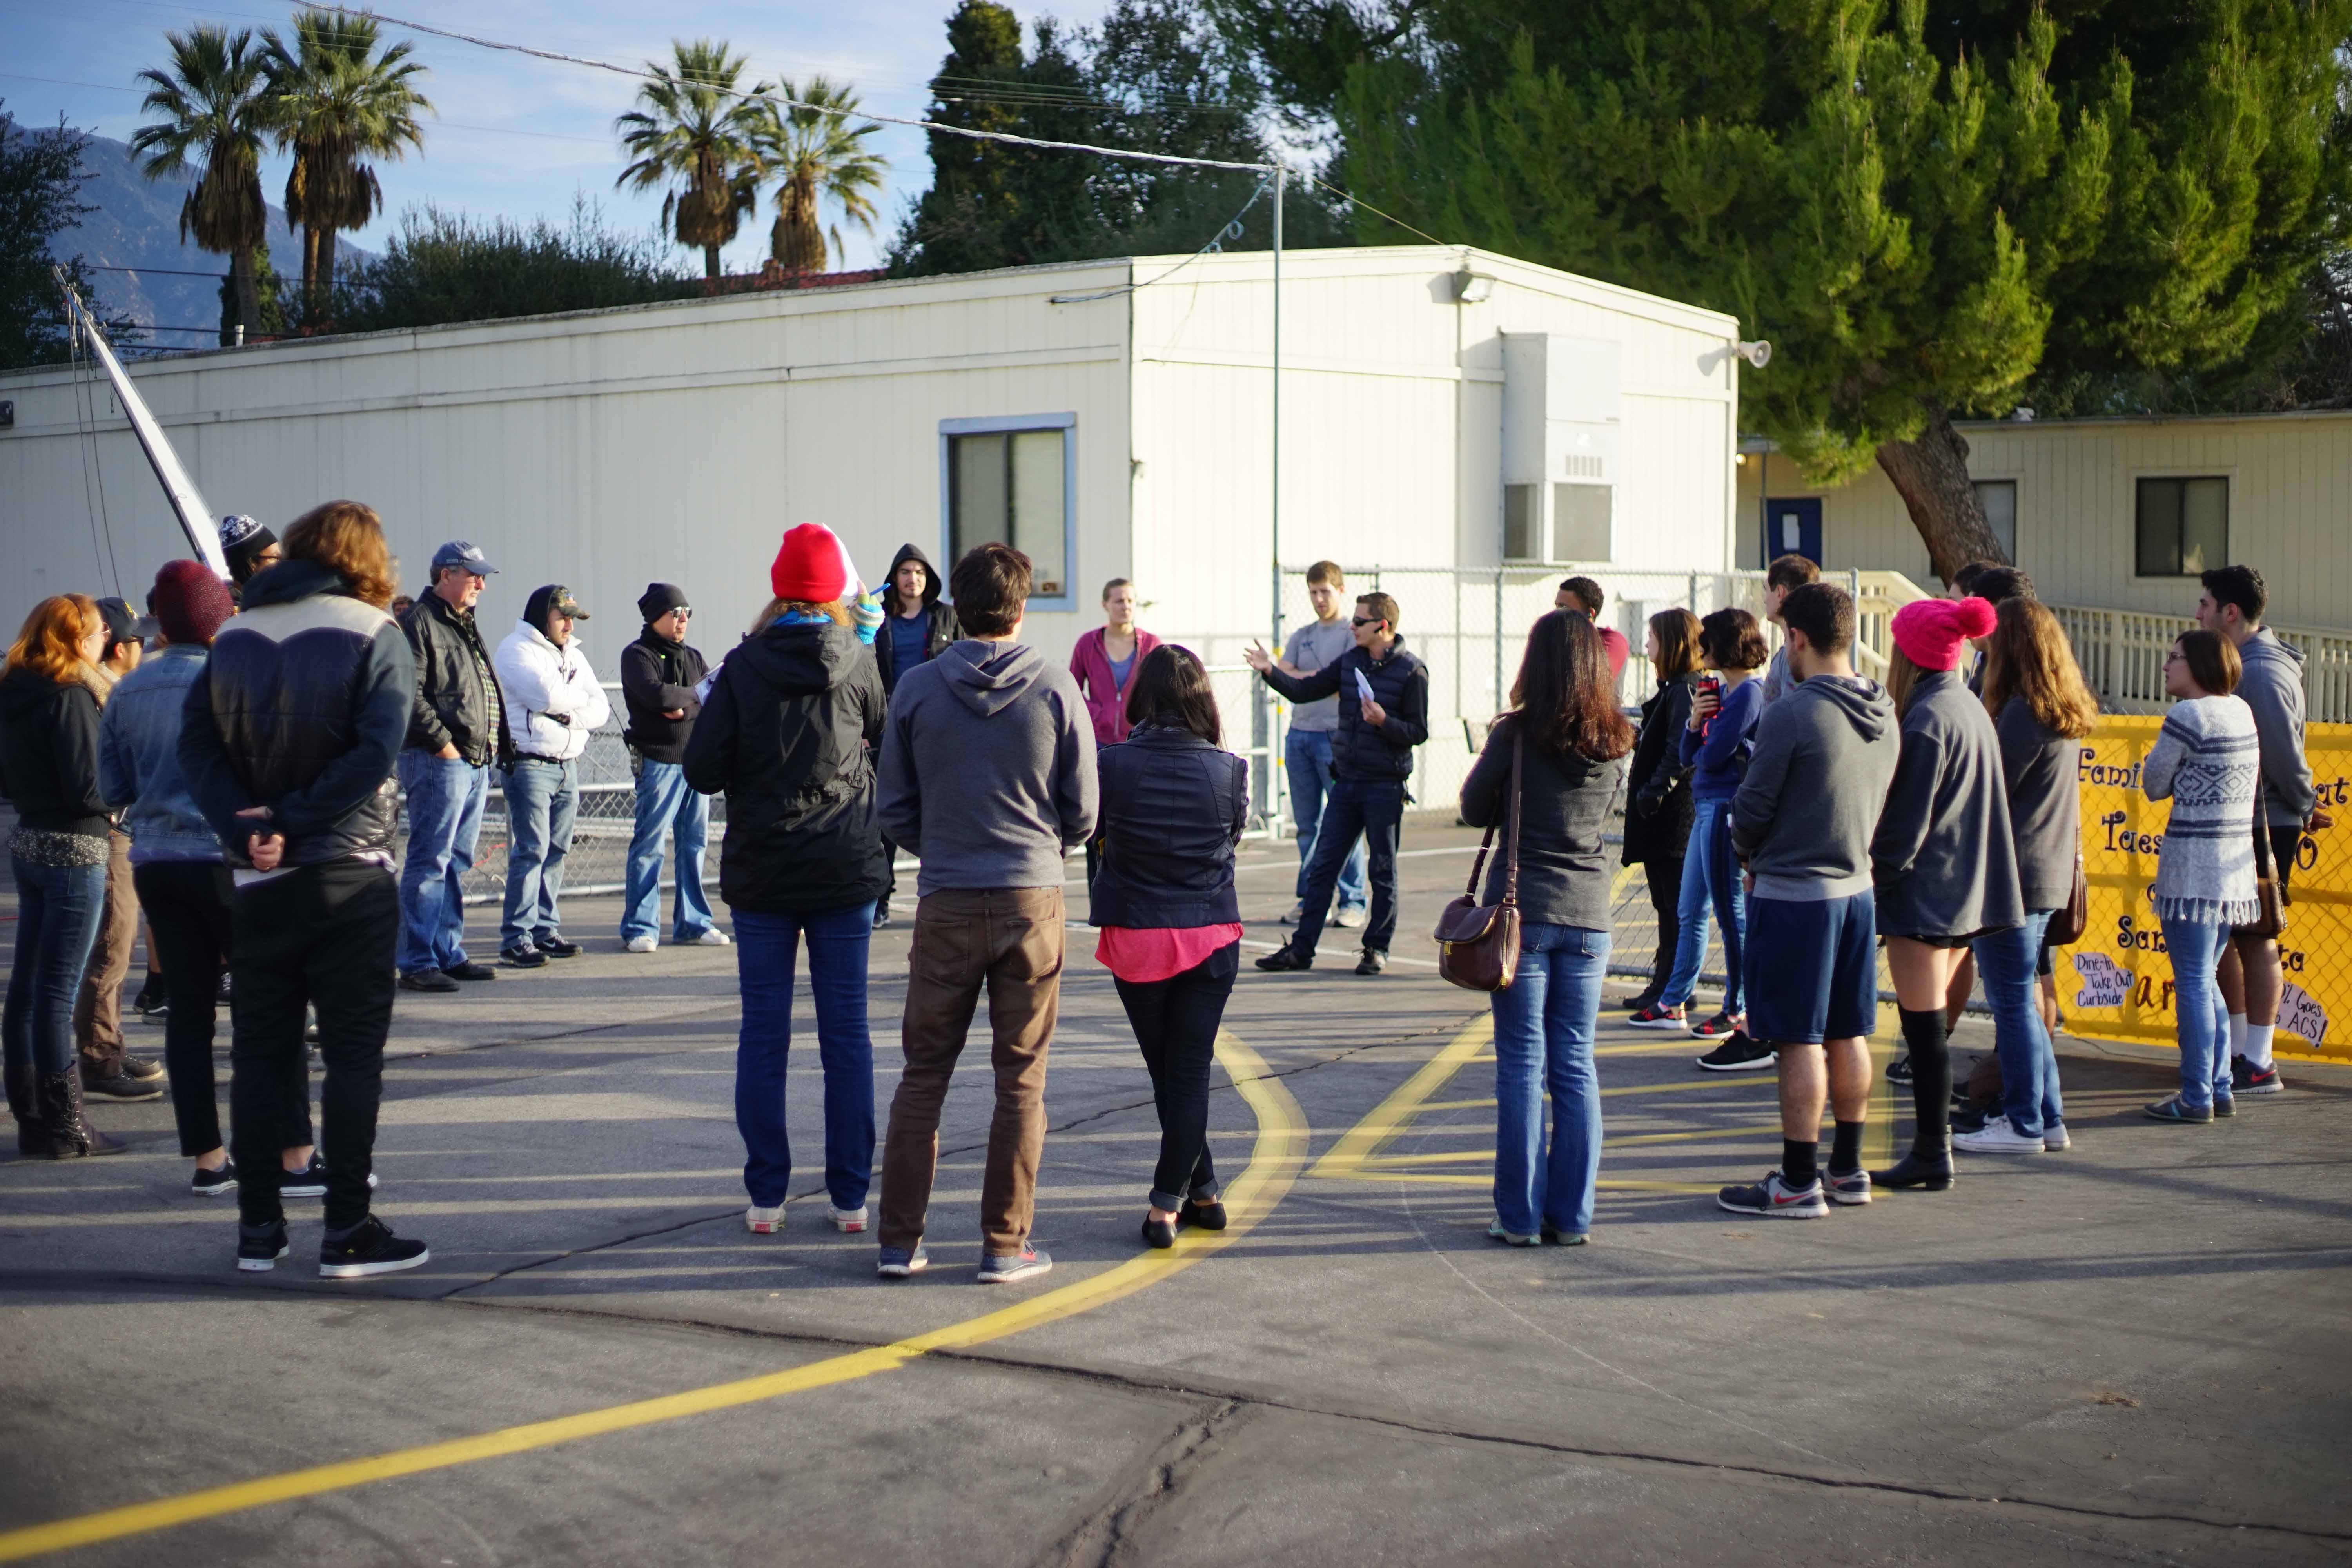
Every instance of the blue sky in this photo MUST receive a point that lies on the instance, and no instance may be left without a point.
(515, 136)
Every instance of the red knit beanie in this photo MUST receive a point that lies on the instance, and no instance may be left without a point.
(1930, 631)
(190, 601)
(811, 567)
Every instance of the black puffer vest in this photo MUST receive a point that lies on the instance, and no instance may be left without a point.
(1172, 808)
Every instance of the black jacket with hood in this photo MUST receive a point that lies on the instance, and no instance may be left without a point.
(787, 735)
(49, 753)
(942, 628)
(455, 705)
(1658, 809)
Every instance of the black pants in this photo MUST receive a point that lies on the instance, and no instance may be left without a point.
(1373, 809)
(188, 905)
(1176, 1024)
(321, 936)
(1666, 879)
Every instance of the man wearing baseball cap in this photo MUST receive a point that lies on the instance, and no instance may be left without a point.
(552, 700)
(457, 731)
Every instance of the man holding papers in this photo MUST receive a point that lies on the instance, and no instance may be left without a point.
(1383, 716)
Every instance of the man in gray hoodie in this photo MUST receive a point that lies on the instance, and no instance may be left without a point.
(2232, 603)
(1802, 822)
(988, 776)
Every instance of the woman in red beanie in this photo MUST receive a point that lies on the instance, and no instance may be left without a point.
(1942, 862)
(788, 733)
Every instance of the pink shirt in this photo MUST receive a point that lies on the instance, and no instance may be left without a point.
(1140, 957)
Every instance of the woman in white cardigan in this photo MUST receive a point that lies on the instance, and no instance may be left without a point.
(2207, 759)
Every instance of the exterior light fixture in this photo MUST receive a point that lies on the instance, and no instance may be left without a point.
(1472, 288)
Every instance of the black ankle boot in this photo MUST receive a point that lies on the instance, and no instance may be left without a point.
(1927, 1168)
(66, 1133)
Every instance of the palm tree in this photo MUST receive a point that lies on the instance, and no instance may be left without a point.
(693, 126)
(336, 100)
(215, 112)
(818, 154)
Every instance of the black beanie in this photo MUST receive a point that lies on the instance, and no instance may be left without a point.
(659, 599)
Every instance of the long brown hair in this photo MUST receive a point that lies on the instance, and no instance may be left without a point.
(1171, 687)
(347, 538)
(1677, 631)
(1565, 693)
(50, 644)
(1901, 676)
(2028, 657)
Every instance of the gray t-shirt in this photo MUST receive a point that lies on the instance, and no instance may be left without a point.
(1310, 648)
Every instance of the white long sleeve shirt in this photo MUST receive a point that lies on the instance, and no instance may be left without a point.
(551, 694)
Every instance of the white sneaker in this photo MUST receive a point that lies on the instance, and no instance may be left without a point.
(851, 1221)
(640, 944)
(1996, 1137)
(714, 937)
(1296, 910)
(764, 1222)
(2055, 1138)
(1347, 918)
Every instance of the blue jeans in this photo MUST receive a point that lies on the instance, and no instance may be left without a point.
(2195, 949)
(1373, 809)
(766, 946)
(445, 796)
(1306, 761)
(1710, 877)
(2029, 1065)
(58, 912)
(542, 798)
(667, 804)
(1543, 1039)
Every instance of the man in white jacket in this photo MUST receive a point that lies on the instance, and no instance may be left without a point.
(552, 701)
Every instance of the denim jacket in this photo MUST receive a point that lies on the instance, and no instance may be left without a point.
(138, 759)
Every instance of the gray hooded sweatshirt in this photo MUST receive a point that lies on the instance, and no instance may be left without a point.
(1824, 754)
(2273, 687)
(1944, 856)
(988, 767)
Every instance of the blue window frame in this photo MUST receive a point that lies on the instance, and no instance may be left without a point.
(1014, 479)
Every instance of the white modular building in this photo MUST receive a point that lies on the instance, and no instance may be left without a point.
(1457, 427)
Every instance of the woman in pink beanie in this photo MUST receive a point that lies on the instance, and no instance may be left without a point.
(1943, 861)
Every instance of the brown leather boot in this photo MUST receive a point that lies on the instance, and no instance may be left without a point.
(68, 1135)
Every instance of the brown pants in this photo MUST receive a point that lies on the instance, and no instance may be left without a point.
(1009, 939)
(98, 1011)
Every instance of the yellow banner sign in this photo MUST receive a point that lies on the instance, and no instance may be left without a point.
(2116, 983)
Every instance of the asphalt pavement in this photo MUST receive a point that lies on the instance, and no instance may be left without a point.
(2139, 1351)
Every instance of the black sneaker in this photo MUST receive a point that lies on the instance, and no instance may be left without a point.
(1774, 1198)
(258, 1247)
(1287, 958)
(151, 1002)
(220, 994)
(311, 1181)
(1899, 1070)
(881, 916)
(556, 947)
(1373, 961)
(213, 1183)
(469, 970)
(522, 956)
(368, 1247)
(426, 980)
(2245, 1078)
(1741, 1053)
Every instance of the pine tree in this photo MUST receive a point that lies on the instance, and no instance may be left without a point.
(1923, 207)
(268, 297)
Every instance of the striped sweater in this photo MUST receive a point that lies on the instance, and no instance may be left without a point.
(2207, 759)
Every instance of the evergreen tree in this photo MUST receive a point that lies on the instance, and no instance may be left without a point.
(267, 296)
(41, 178)
(1924, 206)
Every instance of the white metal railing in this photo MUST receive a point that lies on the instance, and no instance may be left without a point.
(2121, 654)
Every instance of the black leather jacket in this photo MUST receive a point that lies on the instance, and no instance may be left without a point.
(1658, 808)
(457, 703)
(788, 733)
(1173, 807)
(1399, 684)
(49, 753)
(300, 709)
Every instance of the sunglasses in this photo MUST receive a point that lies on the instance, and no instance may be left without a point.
(682, 613)
(1365, 621)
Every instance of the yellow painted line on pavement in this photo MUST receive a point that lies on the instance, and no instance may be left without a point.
(1357, 1145)
(1274, 1161)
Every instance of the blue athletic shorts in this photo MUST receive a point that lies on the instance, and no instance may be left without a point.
(1811, 969)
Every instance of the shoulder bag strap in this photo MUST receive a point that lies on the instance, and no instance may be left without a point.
(1511, 867)
(2262, 867)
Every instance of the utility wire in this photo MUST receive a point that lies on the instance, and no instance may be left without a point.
(832, 110)
(1232, 230)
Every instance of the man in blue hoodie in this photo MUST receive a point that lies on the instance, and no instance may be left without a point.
(2232, 603)
(988, 776)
